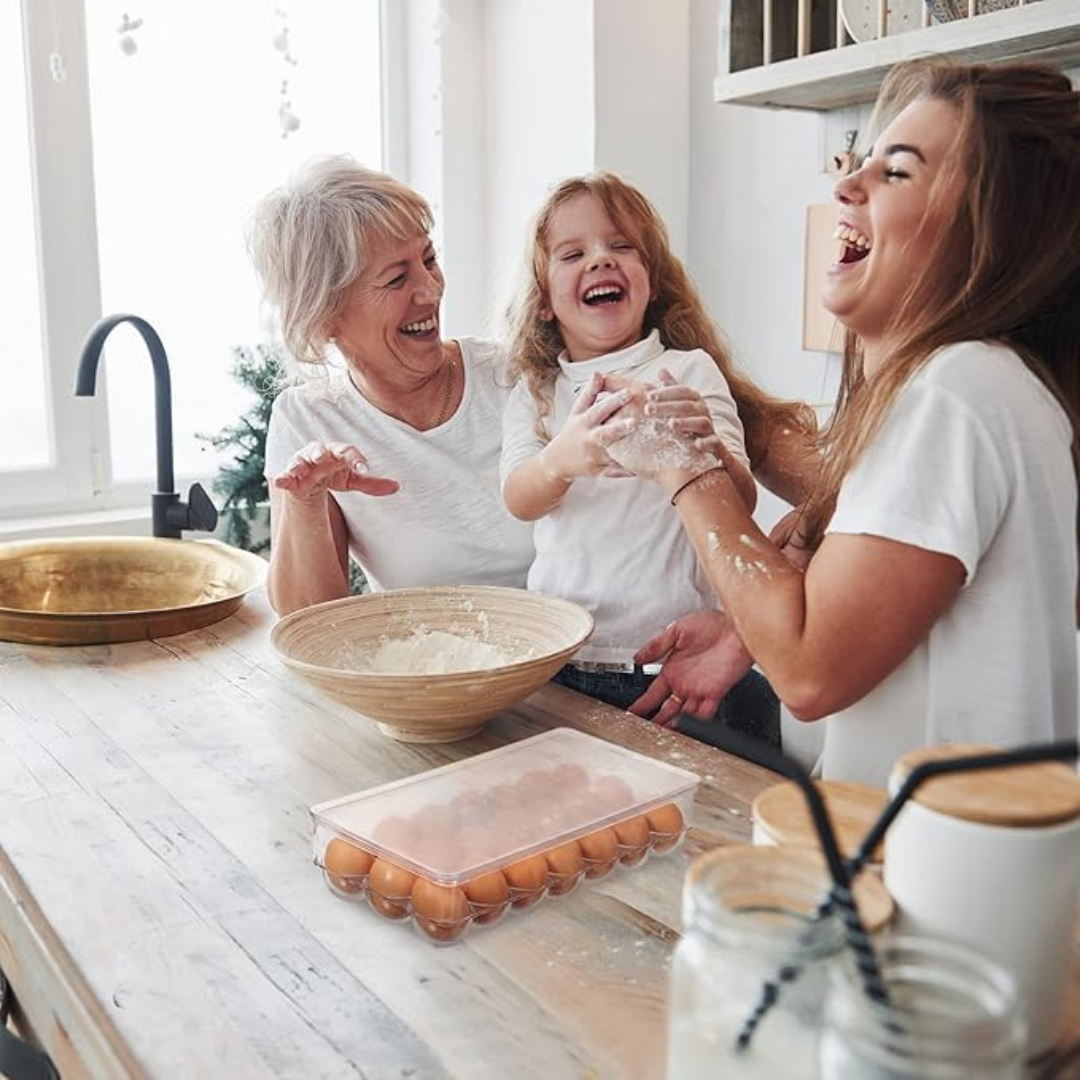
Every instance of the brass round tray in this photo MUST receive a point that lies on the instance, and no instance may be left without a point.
(104, 589)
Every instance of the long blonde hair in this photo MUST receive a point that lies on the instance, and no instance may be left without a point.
(676, 309)
(1008, 268)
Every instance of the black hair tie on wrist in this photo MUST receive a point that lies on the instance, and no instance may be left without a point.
(694, 479)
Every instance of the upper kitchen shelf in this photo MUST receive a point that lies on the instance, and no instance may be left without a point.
(808, 71)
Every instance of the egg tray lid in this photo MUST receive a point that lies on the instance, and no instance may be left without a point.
(457, 821)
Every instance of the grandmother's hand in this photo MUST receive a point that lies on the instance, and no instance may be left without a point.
(319, 467)
(703, 657)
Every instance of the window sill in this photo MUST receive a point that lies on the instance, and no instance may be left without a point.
(129, 521)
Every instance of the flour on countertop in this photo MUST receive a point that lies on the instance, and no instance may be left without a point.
(432, 652)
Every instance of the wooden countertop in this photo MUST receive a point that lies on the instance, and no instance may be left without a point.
(160, 915)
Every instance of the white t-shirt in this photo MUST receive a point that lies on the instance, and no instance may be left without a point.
(973, 461)
(615, 545)
(447, 525)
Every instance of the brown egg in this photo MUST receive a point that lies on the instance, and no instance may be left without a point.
(566, 863)
(346, 864)
(532, 786)
(666, 825)
(435, 843)
(393, 833)
(527, 879)
(440, 911)
(489, 888)
(477, 843)
(609, 794)
(633, 837)
(601, 851)
(389, 886)
(469, 807)
(568, 777)
(489, 894)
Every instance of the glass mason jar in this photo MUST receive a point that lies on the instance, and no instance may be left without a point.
(952, 1015)
(747, 916)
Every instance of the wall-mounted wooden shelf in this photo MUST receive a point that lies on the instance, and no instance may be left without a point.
(1048, 30)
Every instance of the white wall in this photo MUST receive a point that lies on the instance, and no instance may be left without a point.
(540, 118)
(445, 149)
(526, 94)
(643, 102)
(559, 89)
(752, 173)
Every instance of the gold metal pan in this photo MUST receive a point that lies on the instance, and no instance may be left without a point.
(101, 589)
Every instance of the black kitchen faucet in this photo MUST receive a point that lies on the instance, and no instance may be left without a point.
(170, 515)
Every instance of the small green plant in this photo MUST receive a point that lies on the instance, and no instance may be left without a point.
(243, 481)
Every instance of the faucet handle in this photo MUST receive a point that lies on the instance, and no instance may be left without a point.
(171, 516)
(201, 513)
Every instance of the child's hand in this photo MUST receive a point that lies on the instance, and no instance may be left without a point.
(652, 448)
(670, 422)
(580, 449)
(318, 468)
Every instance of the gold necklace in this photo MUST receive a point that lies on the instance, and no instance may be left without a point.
(447, 393)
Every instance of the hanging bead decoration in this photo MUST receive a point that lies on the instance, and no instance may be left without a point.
(56, 67)
(288, 120)
(128, 45)
(56, 58)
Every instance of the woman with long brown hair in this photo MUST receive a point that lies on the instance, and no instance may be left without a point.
(939, 603)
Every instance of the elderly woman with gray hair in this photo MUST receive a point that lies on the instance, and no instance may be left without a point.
(389, 407)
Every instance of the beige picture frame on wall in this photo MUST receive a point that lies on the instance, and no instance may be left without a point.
(821, 331)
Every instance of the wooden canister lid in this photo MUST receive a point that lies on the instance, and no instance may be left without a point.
(873, 901)
(1022, 796)
(782, 814)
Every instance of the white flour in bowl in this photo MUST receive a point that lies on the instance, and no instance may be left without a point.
(432, 652)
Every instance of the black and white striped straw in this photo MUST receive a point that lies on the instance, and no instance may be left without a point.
(840, 895)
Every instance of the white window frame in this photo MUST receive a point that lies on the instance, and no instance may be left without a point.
(78, 481)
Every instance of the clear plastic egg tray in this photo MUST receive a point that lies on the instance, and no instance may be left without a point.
(467, 843)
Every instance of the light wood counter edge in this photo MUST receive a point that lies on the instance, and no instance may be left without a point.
(69, 1023)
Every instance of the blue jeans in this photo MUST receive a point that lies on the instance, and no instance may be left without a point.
(750, 707)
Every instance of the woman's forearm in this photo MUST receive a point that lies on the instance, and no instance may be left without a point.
(761, 592)
(824, 638)
(791, 465)
(308, 553)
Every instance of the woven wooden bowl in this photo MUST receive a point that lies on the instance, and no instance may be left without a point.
(326, 644)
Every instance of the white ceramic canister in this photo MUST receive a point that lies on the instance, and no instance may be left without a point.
(992, 859)
(781, 815)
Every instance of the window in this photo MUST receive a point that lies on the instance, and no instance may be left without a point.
(24, 433)
(150, 136)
